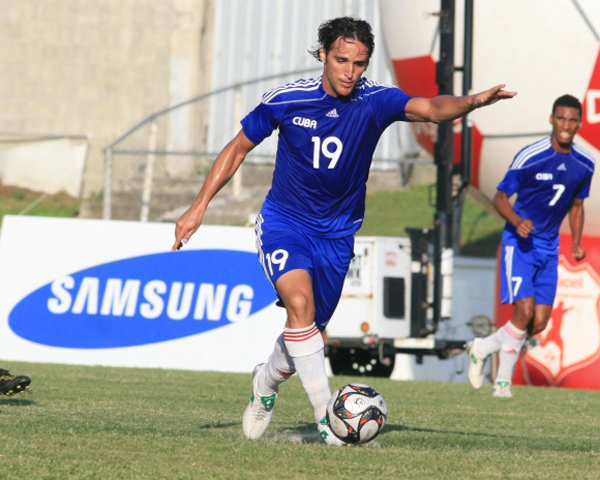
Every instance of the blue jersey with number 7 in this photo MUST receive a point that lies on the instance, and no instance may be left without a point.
(546, 182)
(324, 150)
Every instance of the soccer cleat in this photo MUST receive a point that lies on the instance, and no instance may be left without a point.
(476, 364)
(502, 389)
(327, 435)
(259, 411)
(9, 384)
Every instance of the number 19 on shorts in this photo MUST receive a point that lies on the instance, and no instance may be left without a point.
(277, 258)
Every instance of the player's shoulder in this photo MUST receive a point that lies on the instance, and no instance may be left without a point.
(366, 87)
(532, 153)
(301, 90)
(583, 156)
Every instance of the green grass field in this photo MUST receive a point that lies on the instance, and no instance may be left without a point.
(118, 423)
(388, 213)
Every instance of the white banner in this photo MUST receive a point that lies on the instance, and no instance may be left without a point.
(97, 292)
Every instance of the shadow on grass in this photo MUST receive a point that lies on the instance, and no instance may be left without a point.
(220, 425)
(479, 440)
(404, 428)
(16, 402)
(306, 433)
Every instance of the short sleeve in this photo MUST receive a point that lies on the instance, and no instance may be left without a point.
(584, 191)
(260, 123)
(389, 105)
(511, 182)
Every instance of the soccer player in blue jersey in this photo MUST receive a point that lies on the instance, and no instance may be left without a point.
(551, 179)
(328, 130)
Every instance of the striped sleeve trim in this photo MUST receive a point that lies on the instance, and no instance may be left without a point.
(299, 86)
(585, 153)
(530, 151)
(365, 82)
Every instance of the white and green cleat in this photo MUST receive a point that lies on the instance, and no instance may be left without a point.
(259, 411)
(502, 389)
(476, 365)
(327, 435)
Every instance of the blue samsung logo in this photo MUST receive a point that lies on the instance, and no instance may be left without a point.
(144, 300)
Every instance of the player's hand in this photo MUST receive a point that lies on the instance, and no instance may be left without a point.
(185, 227)
(491, 96)
(578, 252)
(524, 227)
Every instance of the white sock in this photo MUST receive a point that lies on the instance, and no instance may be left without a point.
(307, 349)
(490, 344)
(279, 368)
(513, 341)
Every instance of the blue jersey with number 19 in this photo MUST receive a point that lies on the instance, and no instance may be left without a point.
(324, 150)
(545, 181)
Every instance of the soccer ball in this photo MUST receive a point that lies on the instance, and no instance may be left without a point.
(569, 31)
(356, 413)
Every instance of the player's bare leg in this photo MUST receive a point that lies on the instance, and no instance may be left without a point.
(540, 321)
(305, 344)
(295, 290)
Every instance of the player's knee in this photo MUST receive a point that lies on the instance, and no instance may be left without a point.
(524, 314)
(539, 325)
(299, 304)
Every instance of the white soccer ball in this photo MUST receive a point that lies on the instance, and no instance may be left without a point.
(356, 413)
(522, 50)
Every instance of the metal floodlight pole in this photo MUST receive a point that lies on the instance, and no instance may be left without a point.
(467, 125)
(443, 154)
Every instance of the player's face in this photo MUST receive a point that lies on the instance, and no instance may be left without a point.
(345, 62)
(565, 123)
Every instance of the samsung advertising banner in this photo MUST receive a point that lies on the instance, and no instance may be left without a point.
(97, 292)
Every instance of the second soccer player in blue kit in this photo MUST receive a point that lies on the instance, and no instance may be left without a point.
(328, 130)
(551, 178)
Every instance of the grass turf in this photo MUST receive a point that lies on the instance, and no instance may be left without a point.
(388, 213)
(98, 422)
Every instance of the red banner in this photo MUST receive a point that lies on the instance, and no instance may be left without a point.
(568, 354)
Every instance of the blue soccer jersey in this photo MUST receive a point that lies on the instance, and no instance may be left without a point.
(324, 151)
(545, 181)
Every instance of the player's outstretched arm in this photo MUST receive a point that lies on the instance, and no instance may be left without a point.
(444, 108)
(524, 226)
(576, 220)
(224, 167)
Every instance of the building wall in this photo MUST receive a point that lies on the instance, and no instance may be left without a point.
(98, 67)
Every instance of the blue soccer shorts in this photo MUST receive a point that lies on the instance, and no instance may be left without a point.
(526, 272)
(283, 247)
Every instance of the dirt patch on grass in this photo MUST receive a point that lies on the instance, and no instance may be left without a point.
(16, 199)
(26, 195)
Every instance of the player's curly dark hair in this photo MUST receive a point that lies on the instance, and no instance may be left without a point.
(567, 101)
(347, 28)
